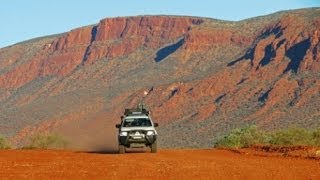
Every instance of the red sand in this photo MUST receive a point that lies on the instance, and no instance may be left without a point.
(166, 164)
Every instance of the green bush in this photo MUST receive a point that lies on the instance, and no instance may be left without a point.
(4, 144)
(242, 138)
(292, 137)
(251, 135)
(316, 137)
(46, 141)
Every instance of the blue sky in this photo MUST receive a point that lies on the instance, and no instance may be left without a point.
(25, 19)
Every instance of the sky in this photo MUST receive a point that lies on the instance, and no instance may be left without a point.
(26, 19)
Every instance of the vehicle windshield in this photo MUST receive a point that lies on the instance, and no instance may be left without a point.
(137, 122)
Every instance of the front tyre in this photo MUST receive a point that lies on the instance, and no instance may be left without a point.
(122, 149)
(154, 147)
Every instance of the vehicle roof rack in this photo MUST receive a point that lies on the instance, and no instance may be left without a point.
(140, 109)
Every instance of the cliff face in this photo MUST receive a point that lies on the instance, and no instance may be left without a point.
(121, 36)
(115, 37)
(203, 76)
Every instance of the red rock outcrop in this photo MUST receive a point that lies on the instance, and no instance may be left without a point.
(112, 37)
(125, 35)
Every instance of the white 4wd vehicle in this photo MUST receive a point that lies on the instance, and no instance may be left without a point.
(137, 130)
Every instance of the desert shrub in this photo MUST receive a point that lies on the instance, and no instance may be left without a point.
(4, 144)
(46, 141)
(251, 135)
(292, 137)
(242, 138)
(316, 137)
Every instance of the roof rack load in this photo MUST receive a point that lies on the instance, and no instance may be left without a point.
(140, 109)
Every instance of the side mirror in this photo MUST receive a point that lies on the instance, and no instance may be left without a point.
(122, 117)
(118, 125)
(155, 124)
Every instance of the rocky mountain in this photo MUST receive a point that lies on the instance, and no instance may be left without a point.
(202, 76)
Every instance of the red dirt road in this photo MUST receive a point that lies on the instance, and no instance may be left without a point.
(166, 164)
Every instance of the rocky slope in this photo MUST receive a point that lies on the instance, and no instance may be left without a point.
(203, 77)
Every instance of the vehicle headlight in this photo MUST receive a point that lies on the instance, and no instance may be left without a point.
(149, 133)
(123, 133)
